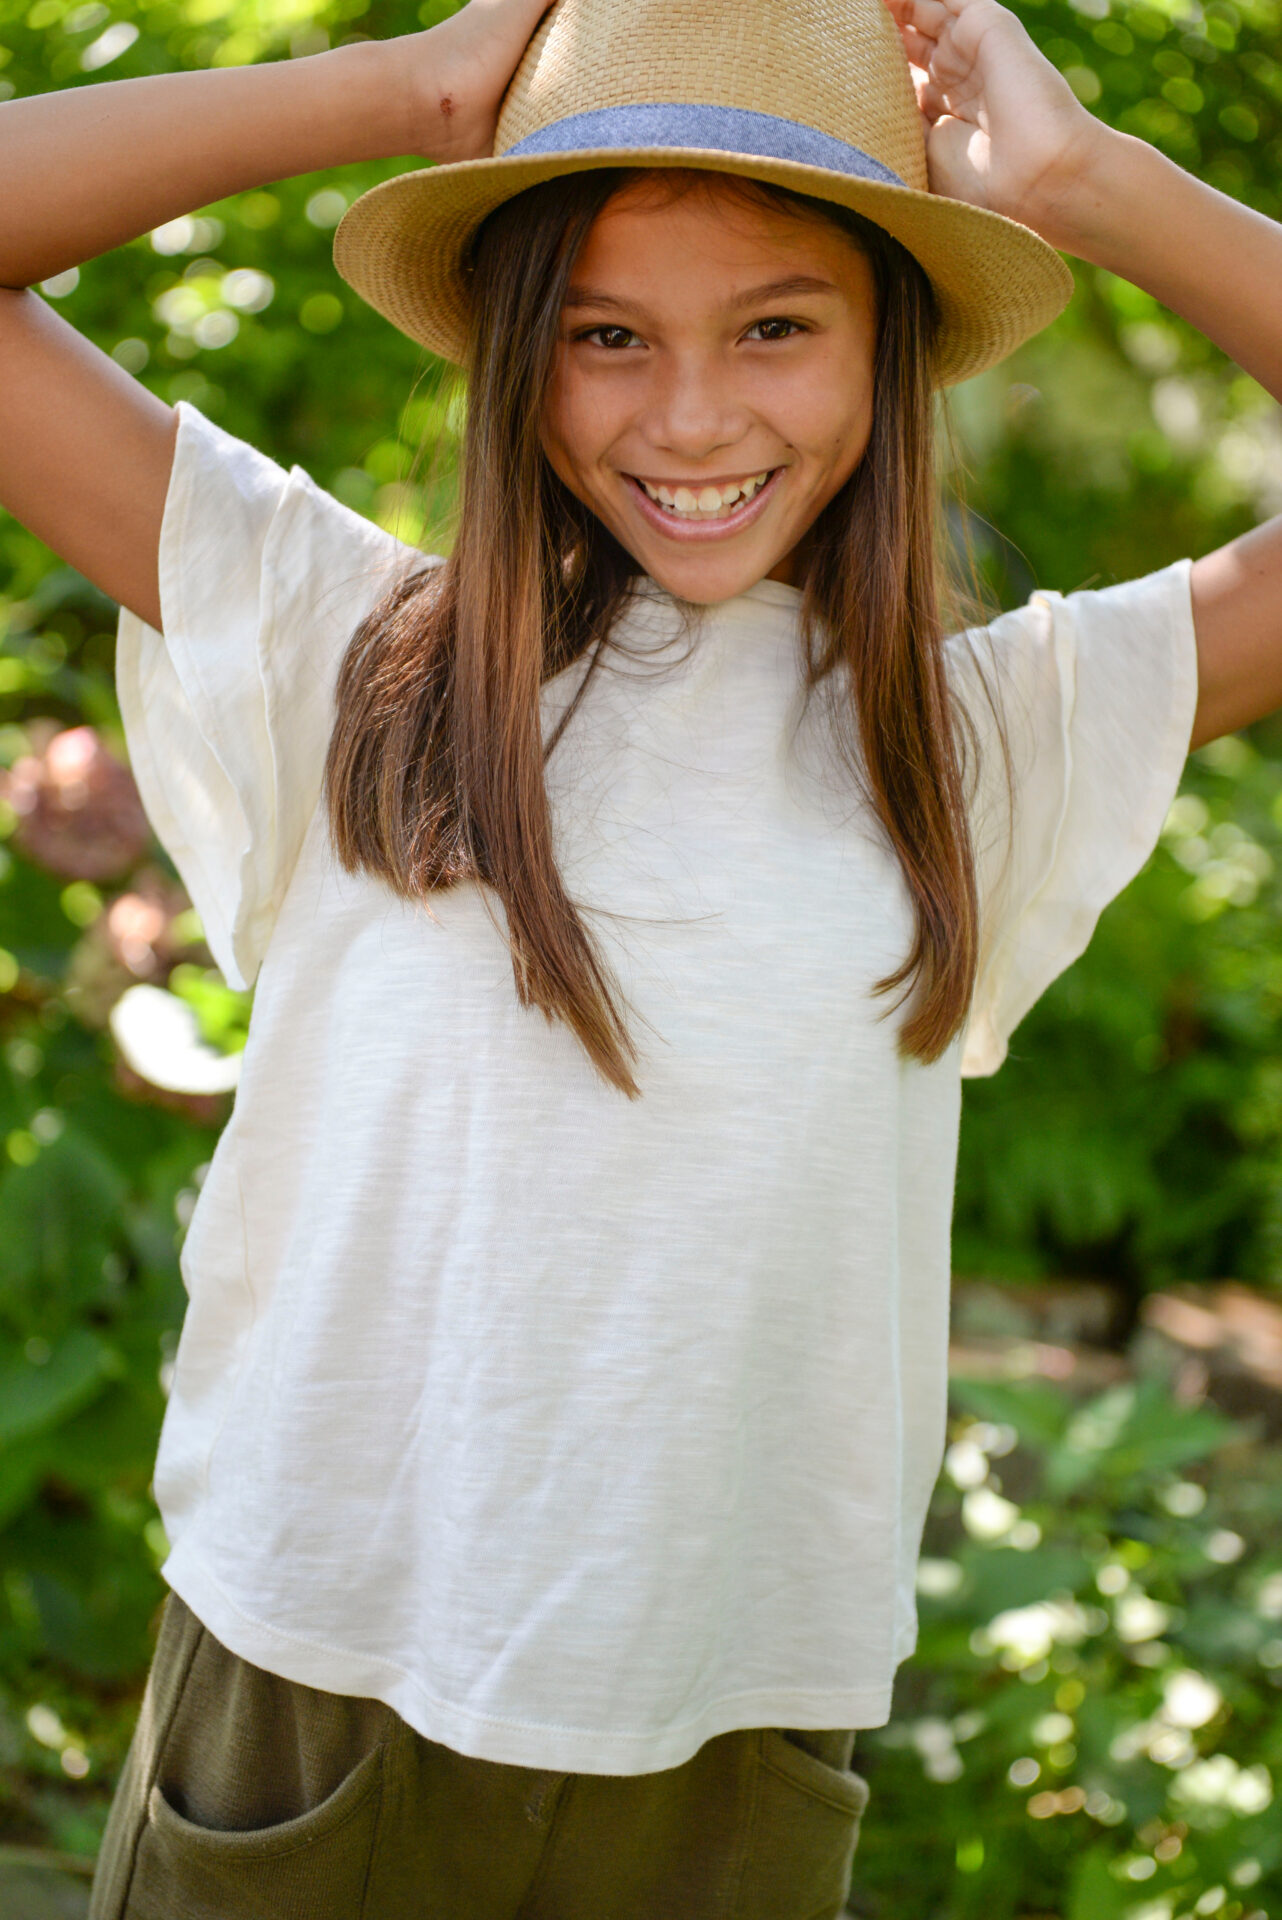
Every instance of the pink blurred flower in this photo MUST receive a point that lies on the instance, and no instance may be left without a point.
(138, 926)
(137, 936)
(78, 809)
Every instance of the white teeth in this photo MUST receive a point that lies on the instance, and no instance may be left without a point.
(708, 502)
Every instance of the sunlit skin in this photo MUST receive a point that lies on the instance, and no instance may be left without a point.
(704, 341)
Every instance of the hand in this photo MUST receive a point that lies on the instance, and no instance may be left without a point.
(1004, 130)
(458, 72)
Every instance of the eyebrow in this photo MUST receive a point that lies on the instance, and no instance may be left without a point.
(578, 297)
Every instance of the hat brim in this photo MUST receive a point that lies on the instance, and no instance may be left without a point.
(402, 245)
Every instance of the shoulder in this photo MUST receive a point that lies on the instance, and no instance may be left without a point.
(234, 512)
(1047, 649)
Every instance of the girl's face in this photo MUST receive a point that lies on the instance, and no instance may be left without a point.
(712, 388)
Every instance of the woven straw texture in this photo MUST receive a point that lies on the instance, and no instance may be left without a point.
(835, 65)
(823, 63)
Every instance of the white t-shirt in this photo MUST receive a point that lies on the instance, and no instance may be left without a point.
(580, 1429)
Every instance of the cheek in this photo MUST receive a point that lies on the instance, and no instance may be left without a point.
(557, 428)
(577, 425)
(570, 404)
(830, 425)
(828, 410)
(851, 435)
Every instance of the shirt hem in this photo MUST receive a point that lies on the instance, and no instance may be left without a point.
(333, 1669)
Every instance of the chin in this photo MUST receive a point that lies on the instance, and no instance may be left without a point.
(706, 582)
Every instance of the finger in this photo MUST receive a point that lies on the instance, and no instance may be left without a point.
(919, 49)
(933, 100)
(957, 161)
(930, 17)
(956, 10)
(920, 84)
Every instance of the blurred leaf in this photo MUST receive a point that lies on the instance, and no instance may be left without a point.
(35, 1397)
(57, 1217)
(1002, 1577)
(1038, 1411)
(22, 1464)
(1094, 1893)
(222, 1013)
(33, 926)
(1133, 1430)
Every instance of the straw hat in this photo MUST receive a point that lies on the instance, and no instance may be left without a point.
(811, 94)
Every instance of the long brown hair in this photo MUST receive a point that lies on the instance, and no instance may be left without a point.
(435, 771)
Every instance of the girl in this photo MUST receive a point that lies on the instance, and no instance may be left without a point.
(563, 1381)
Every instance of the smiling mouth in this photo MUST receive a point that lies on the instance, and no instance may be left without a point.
(703, 503)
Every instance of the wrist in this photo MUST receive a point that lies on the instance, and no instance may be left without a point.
(1084, 208)
(394, 78)
(366, 99)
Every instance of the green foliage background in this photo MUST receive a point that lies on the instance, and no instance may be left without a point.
(1136, 1132)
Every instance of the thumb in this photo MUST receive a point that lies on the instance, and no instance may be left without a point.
(921, 87)
(957, 155)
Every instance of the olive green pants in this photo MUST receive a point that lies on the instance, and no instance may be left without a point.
(248, 1795)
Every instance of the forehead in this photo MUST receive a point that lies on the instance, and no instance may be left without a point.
(656, 230)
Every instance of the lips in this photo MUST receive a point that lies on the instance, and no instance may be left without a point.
(705, 499)
(700, 525)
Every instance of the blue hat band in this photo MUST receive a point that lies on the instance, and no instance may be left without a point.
(726, 129)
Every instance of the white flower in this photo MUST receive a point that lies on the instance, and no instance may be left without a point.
(216, 329)
(1252, 1791)
(1190, 1699)
(1137, 1617)
(179, 307)
(930, 1735)
(160, 1038)
(45, 1726)
(1219, 1782)
(1031, 1632)
(246, 288)
(966, 1464)
(938, 1578)
(933, 1740)
(109, 46)
(1051, 1729)
(1171, 1747)
(1268, 1601)
(986, 1515)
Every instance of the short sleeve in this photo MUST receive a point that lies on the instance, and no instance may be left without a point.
(227, 716)
(1096, 694)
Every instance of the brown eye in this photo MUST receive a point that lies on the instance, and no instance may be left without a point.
(769, 329)
(609, 337)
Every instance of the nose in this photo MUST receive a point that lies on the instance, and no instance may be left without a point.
(693, 410)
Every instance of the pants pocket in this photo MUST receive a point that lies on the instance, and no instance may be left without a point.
(804, 1834)
(312, 1867)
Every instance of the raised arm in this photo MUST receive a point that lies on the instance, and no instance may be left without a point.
(85, 451)
(1006, 132)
